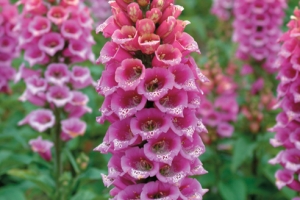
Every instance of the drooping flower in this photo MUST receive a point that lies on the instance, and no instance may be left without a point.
(42, 147)
(40, 119)
(152, 91)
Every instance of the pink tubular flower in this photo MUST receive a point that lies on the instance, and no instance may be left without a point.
(257, 28)
(222, 8)
(40, 119)
(287, 127)
(152, 95)
(57, 73)
(43, 147)
(8, 43)
(71, 128)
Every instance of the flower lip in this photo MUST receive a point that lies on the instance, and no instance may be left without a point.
(71, 30)
(137, 164)
(156, 83)
(166, 55)
(163, 148)
(149, 43)
(130, 73)
(126, 37)
(126, 104)
(159, 190)
(51, 43)
(39, 26)
(173, 102)
(57, 73)
(40, 119)
(59, 95)
(57, 15)
(149, 123)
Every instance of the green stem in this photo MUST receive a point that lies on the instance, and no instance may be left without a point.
(57, 162)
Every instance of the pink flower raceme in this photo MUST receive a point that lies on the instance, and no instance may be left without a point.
(56, 35)
(287, 128)
(61, 31)
(257, 28)
(222, 8)
(152, 91)
(8, 43)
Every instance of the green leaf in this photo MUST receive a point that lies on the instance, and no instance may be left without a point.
(84, 194)
(11, 193)
(235, 189)
(43, 181)
(243, 149)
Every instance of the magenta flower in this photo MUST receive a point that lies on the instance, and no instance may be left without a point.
(222, 9)
(159, 190)
(59, 95)
(40, 119)
(42, 147)
(8, 43)
(57, 73)
(51, 43)
(256, 29)
(81, 77)
(287, 126)
(152, 92)
(39, 26)
(71, 128)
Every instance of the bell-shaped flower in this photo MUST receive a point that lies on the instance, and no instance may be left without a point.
(77, 107)
(81, 77)
(121, 136)
(284, 177)
(71, 128)
(185, 125)
(42, 147)
(57, 14)
(36, 84)
(192, 149)
(159, 190)
(294, 137)
(71, 30)
(137, 165)
(191, 189)
(112, 51)
(108, 27)
(57, 73)
(51, 43)
(164, 148)
(166, 27)
(186, 43)
(130, 73)
(149, 123)
(78, 48)
(59, 95)
(291, 159)
(166, 55)
(148, 43)
(175, 172)
(39, 26)
(127, 103)
(184, 78)
(225, 129)
(173, 102)
(156, 83)
(196, 168)
(131, 192)
(40, 119)
(7, 44)
(35, 56)
(127, 37)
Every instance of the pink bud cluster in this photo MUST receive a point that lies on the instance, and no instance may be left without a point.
(222, 9)
(100, 9)
(8, 43)
(287, 127)
(152, 91)
(256, 30)
(51, 30)
(55, 36)
(219, 107)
